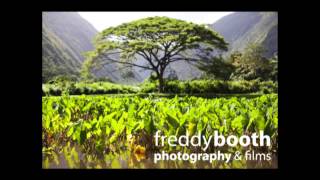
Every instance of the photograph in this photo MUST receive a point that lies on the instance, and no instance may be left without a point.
(159, 90)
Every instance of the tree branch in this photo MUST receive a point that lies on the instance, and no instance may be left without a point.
(128, 63)
(183, 58)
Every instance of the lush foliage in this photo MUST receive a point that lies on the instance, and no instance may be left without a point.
(79, 88)
(216, 68)
(213, 86)
(150, 86)
(252, 65)
(100, 125)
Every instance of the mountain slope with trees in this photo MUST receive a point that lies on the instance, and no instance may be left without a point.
(65, 36)
(241, 28)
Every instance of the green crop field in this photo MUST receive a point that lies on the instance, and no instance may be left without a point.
(94, 131)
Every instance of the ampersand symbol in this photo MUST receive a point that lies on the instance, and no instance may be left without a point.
(237, 155)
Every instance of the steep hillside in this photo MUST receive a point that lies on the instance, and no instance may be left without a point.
(65, 36)
(241, 28)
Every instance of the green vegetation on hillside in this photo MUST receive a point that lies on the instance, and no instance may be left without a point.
(242, 28)
(65, 36)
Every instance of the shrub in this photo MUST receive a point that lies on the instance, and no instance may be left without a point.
(174, 86)
(213, 86)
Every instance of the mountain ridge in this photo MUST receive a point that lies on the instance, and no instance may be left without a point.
(241, 28)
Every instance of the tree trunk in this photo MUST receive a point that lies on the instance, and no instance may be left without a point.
(161, 80)
(161, 84)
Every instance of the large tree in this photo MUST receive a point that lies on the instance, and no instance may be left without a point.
(216, 67)
(251, 64)
(158, 40)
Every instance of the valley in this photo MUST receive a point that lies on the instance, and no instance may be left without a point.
(108, 97)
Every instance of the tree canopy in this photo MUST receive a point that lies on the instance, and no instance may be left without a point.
(251, 64)
(158, 40)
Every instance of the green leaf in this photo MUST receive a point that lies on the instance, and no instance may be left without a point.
(173, 120)
(70, 131)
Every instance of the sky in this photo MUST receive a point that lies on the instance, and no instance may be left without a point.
(103, 20)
